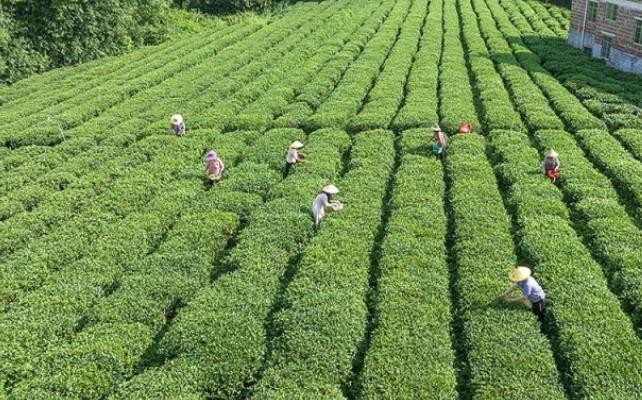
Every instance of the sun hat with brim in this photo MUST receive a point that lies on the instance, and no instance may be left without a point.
(176, 119)
(296, 145)
(551, 153)
(436, 128)
(330, 189)
(211, 156)
(519, 274)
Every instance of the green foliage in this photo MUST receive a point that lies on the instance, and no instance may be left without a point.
(632, 140)
(528, 98)
(386, 96)
(602, 89)
(324, 310)
(218, 7)
(355, 85)
(420, 104)
(569, 108)
(602, 352)
(498, 111)
(253, 104)
(612, 234)
(619, 165)
(126, 274)
(456, 97)
(410, 354)
(222, 330)
(484, 253)
(36, 36)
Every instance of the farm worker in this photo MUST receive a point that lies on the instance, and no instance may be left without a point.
(551, 165)
(177, 126)
(465, 127)
(293, 156)
(440, 141)
(293, 153)
(532, 294)
(324, 199)
(213, 166)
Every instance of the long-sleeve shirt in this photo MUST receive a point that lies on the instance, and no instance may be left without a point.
(439, 138)
(532, 290)
(550, 163)
(318, 206)
(292, 156)
(178, 129)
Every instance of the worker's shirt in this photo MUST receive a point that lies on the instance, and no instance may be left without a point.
(292, 156)
(214, 167)
(440, 139)
(551, 163)
(178, 129)
(532, 290)
(319, 203)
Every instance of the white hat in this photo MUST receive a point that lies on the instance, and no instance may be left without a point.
(436, 128)
(296, 145)
(519, 274)
(176, 119)
(330, 189)
(550, 153)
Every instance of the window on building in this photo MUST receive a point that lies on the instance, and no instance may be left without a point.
(606, 46)
(638, 31)
(592, 11)
(611, 12)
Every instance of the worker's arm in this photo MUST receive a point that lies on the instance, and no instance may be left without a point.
(515, 299)
(508, 291)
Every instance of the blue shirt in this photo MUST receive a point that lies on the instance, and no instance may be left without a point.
(531, 289)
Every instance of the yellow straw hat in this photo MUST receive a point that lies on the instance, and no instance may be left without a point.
(330, 189)
(550, 153)
(176, 119)
(296, 145)
(519, 274)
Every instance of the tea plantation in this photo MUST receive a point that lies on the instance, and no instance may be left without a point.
(125, 274)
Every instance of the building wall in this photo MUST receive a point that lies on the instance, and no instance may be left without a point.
(625, 53)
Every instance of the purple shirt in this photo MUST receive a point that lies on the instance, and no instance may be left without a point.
(178, 129)
(551, 163)
(531, 289)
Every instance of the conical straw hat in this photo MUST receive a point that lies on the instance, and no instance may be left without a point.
(519, 274)
(550, 153)
(176, 119)
(330, 189)
(296, 145)
(436, 128)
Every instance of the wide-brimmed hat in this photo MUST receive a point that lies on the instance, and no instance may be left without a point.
(176, 119)
(211, 156)
(519, 274)
(296, 145)
(550, 153)
(436, 128)
(330, 189)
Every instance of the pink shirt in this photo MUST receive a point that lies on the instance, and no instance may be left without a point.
(214, 167)
(440, 138)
